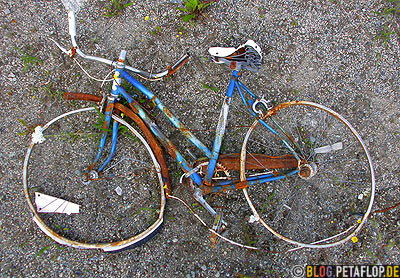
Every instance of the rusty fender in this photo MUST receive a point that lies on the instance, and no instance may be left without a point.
(155, 146)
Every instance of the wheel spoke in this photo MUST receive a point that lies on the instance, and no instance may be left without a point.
(335, 169)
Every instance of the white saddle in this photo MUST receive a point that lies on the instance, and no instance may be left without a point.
(246, 56)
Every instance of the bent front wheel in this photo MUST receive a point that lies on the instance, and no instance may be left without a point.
(119, 208)
(322, 192)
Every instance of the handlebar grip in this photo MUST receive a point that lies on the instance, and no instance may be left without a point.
(71, 23)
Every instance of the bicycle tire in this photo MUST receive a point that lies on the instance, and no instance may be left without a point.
(108, 220)
(325, 207)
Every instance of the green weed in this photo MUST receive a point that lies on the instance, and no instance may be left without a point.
(392, 10)
(391, 15)
(60, 249)
(206, 86)
(268, 201)
(122, 130)
(59, 228)
(51, 93)
(196, 207)
(249, 240)
(41, 251)
(261, 12)
(157, 30)
(193, 9)
(28, 59)
(116, 7)
(29, 129)
(384, 35)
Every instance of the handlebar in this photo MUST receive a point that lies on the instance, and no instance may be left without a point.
(76, 50)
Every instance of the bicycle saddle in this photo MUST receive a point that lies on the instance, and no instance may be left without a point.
(246, 56)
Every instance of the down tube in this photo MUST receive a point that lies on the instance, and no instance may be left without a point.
(168, 145)
(178, 124)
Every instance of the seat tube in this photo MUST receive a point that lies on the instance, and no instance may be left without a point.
(221, 127)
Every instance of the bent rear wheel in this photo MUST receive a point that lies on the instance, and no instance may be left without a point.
(119, 208)
(326, 195)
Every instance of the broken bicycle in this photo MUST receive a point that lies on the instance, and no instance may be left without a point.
(304, 170)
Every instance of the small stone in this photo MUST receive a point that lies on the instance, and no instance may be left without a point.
(7, 11)
(361, 196)
(11, 77)
(119, 191)
(203, 267)
(175, 240)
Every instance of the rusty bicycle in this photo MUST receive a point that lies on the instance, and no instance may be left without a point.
(304, 170)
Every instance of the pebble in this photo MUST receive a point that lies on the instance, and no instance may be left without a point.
(119, 191)
(11, 77)
(7, 11)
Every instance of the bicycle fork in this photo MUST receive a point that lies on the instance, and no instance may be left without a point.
(91, 173)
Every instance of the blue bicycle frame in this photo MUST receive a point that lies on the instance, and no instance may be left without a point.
(212, 155)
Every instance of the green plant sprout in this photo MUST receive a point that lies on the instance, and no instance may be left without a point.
(385, 35)
(123, 130)
(211, 87)
(393, 10)
(28, 59)
(193, 9)
(53, 94)
(157, 30)
(249, 241)
(29, 129)
(391, 13)
(116, 7)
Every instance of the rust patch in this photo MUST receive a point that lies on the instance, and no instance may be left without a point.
(167, 112)
(241, 185)
(171, 70)
(109, 109)
(73, 52)
(258, 161)
(81, 96)
(133, 108)
(154, 144)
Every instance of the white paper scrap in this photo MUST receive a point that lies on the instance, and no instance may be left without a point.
(50, 204)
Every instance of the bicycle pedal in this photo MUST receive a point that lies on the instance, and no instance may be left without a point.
(219, 227)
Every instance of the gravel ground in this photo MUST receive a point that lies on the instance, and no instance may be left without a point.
(322, 51)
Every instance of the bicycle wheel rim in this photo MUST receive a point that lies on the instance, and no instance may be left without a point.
(113, 246)
(334, 239)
